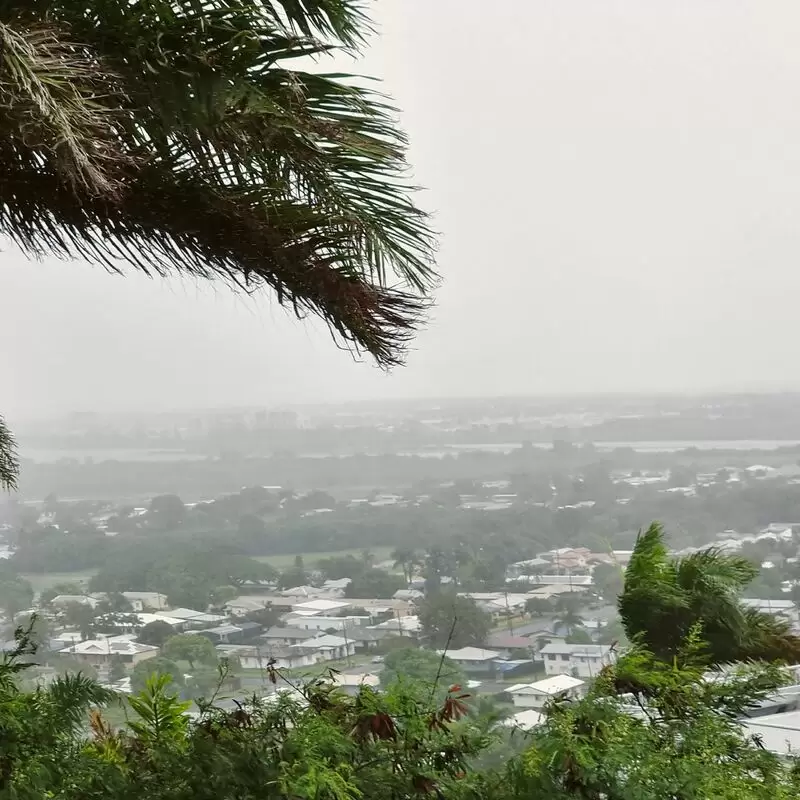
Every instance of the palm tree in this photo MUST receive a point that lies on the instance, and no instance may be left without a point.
(181, 138)
(407, 560)
(665, 599)
(570, 620)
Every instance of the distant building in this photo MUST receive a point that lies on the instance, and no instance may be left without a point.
(329, 647)
(474, 659)
(100, 652)
(535, 695)
(580, 660)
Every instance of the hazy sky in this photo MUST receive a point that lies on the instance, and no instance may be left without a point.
(618, 189)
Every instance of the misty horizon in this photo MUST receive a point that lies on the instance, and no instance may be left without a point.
(618, 213)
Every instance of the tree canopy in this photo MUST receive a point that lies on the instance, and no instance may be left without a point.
(451, 621)
(665, 598)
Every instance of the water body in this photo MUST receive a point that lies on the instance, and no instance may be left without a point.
(605, 447)
(45, 456)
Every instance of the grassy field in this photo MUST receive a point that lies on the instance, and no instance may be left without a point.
(44, 580)
(286, 560)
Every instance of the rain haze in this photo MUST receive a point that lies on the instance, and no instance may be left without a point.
(588, 467)
(617, 187)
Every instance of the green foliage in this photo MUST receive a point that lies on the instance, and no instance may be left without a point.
(16, 594)
(451, 621)
(47, 595)
(190, 647)
(609, 580)
(189, 576)
(9, 464)
(664, 599)
(156, 633)
(167, 510)
(429, 670)
(648, 730)
(538, 606)
(156, 666)
(578, 636)
(161, 716)
(374, 582)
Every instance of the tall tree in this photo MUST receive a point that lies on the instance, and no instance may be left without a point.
(186, 139)
(666, 598)
(190, 647)
(451, 621)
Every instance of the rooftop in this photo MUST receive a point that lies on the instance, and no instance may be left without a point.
(550, 686)
(321, 605)
(470, 654)
(591, 650)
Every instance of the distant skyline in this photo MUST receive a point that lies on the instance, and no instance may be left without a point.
(617, 187)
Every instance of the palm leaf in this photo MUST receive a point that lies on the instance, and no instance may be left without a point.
(8, 458)
(226, 163)
(179, 137)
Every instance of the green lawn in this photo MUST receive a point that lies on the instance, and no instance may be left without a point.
(286, 560)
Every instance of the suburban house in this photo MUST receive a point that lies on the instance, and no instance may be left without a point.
(410, 595)
(260, 657)
(555, 590)
(367, 638)
(194, 618)
(64, 639)
(279, 636)
(508, 641)
(558, 580)
(146, 601)
(231, 634)
(246, 603)
(100, 652)
(473, 659)
(351, 683)
(64, 600)
(498, 604)
(535, 695)
(320, 622)
(404, 626)
(581, 660)
(329, 647)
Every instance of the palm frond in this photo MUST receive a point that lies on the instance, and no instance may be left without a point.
(214, 159)
(48, 87)
(9, 465)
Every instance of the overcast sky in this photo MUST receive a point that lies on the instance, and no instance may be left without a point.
(618, 189)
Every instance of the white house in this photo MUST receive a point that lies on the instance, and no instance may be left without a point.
(320, 622)
(473, 659)
(260, 657)
(783, 608)
(279, 635)
(581, 660)
(352, 683)
(146, 601)
(329, 647)
(99, 652)
(526, 720)
(535, 695)
(64, 600)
